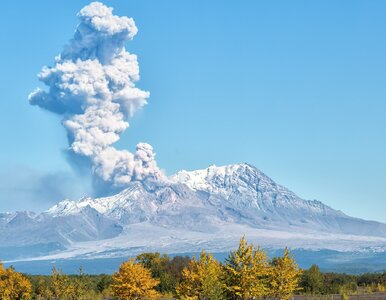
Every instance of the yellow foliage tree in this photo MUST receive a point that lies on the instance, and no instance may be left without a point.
(42, 290)
(285, 276)
(380, 288)
(246, 272)
(201, 279)
(60, 286)
(13, 285)
(133, 281)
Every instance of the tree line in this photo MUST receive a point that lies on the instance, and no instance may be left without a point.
(247, 273)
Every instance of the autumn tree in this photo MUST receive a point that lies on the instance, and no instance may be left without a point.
(284, 276)
(80, 285)
(60, 286)
(133, 281)
(201, 279)
(246, 272)
(13, 285)
(42, 289)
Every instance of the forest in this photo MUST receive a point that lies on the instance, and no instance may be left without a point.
(247, 273)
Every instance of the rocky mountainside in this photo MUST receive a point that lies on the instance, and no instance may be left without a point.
(208, 208)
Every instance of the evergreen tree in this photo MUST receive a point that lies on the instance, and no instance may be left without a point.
(312, 280)
(158, 265)
(133, 281)
(103, 283)
(155, 262)
(167, 270)
(284, 276)
(246, 272)
(201, 279)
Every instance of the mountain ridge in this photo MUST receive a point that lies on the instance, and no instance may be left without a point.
(209, 208)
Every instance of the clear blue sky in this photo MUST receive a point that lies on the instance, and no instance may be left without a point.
(296, 88)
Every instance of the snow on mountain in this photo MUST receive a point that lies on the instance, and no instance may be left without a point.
(244, 186)
(259, 199)
(210, 208)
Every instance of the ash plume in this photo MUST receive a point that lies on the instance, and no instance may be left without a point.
(92, 85)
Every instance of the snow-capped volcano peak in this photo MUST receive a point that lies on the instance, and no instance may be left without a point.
(223, 177)
(244, 186)
(241, 187)
(190, 207)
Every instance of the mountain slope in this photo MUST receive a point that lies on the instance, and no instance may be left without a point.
(208, 208)
(247, 189)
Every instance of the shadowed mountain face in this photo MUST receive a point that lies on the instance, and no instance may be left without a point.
(208, 208)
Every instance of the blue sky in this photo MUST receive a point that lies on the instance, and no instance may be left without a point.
(296, 88)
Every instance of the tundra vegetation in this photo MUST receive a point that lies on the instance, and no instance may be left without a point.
(247, 273)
